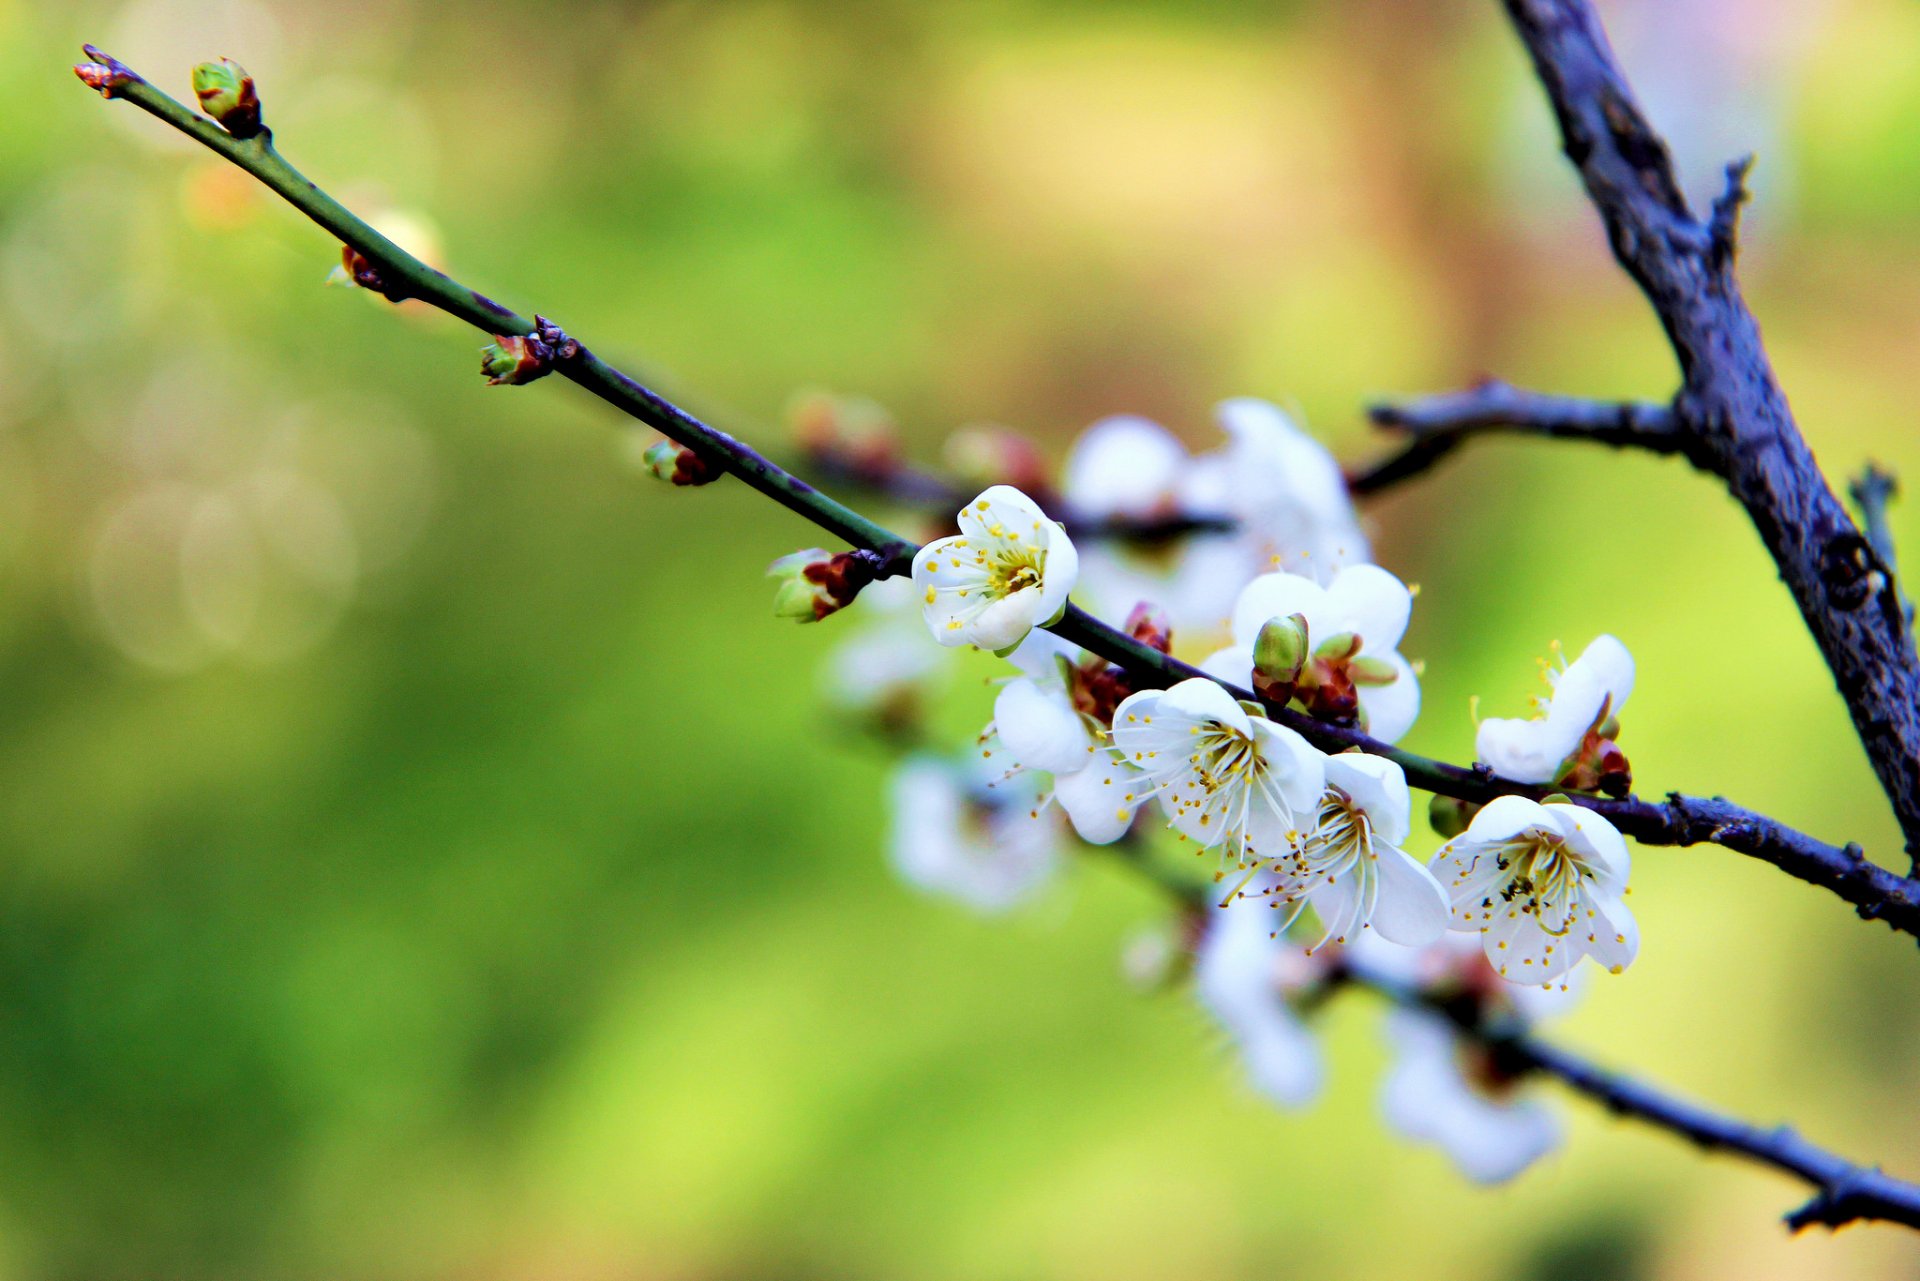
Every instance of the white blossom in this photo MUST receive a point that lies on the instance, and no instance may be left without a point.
(1352, 868)
(978, 840)
(1225, 776)
(1587, 694)
(1243, 975)
(1361, 600)
(1285, 489)
(1446, 1090)
(1125, 466)
(1543, 885)
(1006, 572)
(1043, 721)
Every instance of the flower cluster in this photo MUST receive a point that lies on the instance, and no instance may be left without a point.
(1291, 627)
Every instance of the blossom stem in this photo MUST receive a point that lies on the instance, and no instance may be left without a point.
(1434, 426)
(1681, 820)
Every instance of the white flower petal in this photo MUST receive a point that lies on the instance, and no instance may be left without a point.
(1277, 595)
(1372, 602)
(1526, 751)
(1041, 728)
(1101, 799)
(1378, 787)
(1392, 709)
(1412, 909)
(1124, 466)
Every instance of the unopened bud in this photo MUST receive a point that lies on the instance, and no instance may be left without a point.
(226, 93)
(1279, 652)
(855, 431)
(1450, 816)
(1149, 625)
(508, 361)
(676, 464)
(1372, 671)
(108, 75)
(815, 582)
(1339, 647)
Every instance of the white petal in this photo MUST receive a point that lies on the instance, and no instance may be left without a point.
(1527, 751)
(1505, 817)
(1613, 936)
(1234, 664)
(1002, 508)
(1412, 909)
(1196, 700)
(1393, 708)
(1612, 666)
(1101, 799)
(1039, 654)
(1060, 573)
(1378, 787)
(1296, 765)
(1369, 600)
(1041, 728)
(1004, 623)
(1277, 596)
(1599, 844)
(1124, 466)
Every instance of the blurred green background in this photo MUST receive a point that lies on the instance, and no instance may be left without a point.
(421, 854)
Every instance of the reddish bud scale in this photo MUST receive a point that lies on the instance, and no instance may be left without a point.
(691, 469)
(839, 579)
(367, 276)
(105, 74)
(1149, 625)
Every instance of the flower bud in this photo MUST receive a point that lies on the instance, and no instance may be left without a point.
(676, 464)
(854, 431)
(1279, 652)
(1149, 625)
(508, 361)
(1450, 816)
(1372, 671)
(106, 74)
(1339, 647)
(226, 93)
(815, 582)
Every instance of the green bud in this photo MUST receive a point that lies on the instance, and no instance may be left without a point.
(226, 93)
(1338, 647)
(816, 582)
(1372, 671)
(508, 361)
(1280, 651)
(1450, 816)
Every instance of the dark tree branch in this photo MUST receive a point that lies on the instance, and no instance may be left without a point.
(1730, 404)
(1844, 1192)
(1437, 425)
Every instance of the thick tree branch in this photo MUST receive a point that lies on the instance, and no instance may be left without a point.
(1730, 404)
(1434, 426)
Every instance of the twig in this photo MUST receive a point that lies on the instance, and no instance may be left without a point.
(1844, 1192)
(1437, 425)
(1730, 405)
(1873, 491)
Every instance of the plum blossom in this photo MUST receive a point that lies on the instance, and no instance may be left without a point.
(1125, 466)
(1053, 718)
(1352, 868)
(1448, 1091)
(1352, 668)
(1225, 776)
(884, 671)
(1006, 572)
(1571, 744)
(977, 840)
(1244, 976)
(1444, 1089)
(1281, 488)
(1543, 885)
